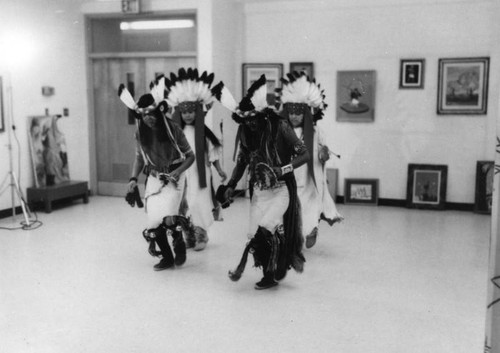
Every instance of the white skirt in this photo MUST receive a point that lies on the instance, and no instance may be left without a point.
(162, 200)
(267, 208)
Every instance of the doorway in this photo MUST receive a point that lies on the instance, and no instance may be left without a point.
(114, 126)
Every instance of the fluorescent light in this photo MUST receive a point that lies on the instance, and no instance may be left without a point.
(158, 24)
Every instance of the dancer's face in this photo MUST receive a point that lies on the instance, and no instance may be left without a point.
(150, 120)
(296, 119)
(252, 124)
(188, 117)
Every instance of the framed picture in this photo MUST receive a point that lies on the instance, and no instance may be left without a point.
(411, 73)
(307, 67)
(426, 186)
(485, 171)
(361, 191)
(463, 86)
(356, 96)
(273, 72)
(48, 150)
(2, 110)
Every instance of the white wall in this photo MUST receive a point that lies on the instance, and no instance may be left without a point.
(375, 35)
(53, 31)
(227, 56)
(340, 35)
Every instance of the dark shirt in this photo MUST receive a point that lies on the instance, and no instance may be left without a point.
(276, 150)
(163, 153)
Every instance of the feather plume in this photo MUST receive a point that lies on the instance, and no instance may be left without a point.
(158, 89)
(189, 86)
(126, 97)
(224, 96)
(300, 89)
(258, 93)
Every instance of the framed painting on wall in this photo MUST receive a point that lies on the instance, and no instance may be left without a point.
(307, 67)
(2, 110)
(356, 96)
(426, 186)
(463, 86)
(361, 191)
(48, 149)
(485, 171)
(273, 72)
(411, 73)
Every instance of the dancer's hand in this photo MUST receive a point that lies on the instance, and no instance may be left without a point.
(277, 171)
(222, 175)
(131, 185)
(229, 193)
(324, 154)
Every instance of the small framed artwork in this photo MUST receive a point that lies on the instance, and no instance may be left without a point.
(485, 171)
(361, 191)
(356, 96)
(2, 110)
(412, 73)
(273, 72)
(463, 86)
(426, 186)
(307, 67)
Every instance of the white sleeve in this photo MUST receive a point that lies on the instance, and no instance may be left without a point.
(214, 153)
(321, 136)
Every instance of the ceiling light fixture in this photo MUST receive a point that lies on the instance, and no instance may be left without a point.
(156, 24)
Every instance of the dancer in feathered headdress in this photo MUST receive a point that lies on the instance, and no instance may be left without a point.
(303, 103)
(191, 97)
(271, 151)
(163, 154)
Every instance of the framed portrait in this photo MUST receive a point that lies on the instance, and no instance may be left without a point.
(307, 67)
(411, 73)
(485, 171)
(355, 96)
(361, 191)
(463, 86)
(273, 72)
(48, 151)
(426, 186)
(2, 109)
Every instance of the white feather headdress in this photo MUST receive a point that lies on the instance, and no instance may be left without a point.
(255, 100)
(157, 91)
(300, 89)
(189, 86)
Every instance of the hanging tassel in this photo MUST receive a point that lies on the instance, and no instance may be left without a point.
(236, 274)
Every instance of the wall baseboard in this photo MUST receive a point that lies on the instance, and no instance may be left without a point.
(8, 212)
(454, 206)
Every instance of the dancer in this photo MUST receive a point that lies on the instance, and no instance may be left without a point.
(271, 151)
(163, 154)
(303, 104)
(190, 95)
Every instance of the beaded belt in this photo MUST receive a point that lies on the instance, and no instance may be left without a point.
(156, 171)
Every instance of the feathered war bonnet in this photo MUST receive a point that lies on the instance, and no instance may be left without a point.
(190, 92)
(253, 106)
(300, 95)
(147, 103)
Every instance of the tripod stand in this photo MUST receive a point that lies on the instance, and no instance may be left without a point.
(15, 188)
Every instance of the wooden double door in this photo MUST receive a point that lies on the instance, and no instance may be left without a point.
(114, 127)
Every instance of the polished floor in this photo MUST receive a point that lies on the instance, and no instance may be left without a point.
(385, 280)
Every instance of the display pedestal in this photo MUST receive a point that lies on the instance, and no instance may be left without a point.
(64, 190)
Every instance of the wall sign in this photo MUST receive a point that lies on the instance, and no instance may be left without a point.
(130, 6)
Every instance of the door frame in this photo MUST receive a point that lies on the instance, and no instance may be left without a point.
(90, 57)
